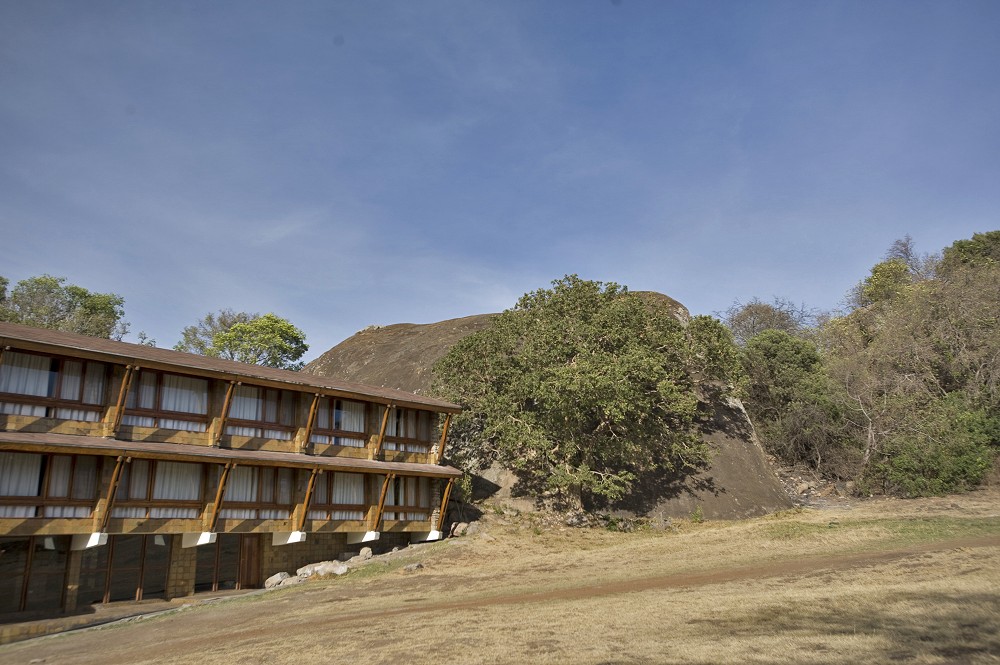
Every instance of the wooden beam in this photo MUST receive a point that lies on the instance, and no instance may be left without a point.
(444, 504)
(130, 371)
(2, 350)
(225, 412)
(219, 493)
(444, 439)
(310, 422)
(305, 502)
(381, 501)
(377, 449)
(109, 501)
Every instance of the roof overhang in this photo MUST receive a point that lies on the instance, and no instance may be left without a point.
(124, 353)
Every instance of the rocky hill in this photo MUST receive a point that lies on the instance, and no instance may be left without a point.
(738, 483)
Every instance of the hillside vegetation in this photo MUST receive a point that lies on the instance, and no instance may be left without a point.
(901, 392)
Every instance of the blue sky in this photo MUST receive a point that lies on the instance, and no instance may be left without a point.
(344, 164)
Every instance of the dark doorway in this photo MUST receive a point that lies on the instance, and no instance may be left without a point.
(233, 562)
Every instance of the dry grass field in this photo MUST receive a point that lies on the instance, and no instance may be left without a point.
(882, 581)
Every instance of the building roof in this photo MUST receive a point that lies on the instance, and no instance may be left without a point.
(95, 348)
(46, 442)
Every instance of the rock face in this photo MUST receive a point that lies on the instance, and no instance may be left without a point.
(397, 356)
(737, 483)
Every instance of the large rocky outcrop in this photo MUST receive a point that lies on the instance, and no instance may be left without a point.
(737, 483)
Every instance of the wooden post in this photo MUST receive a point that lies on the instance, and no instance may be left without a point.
(219, 493)
(310, 423)
(109, 501)
(130, 371)
(444, 439)
(225, 412)
(381, 433)
(444, 503)
(301, 522)
(381, 501)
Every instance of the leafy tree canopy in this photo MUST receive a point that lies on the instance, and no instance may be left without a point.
(581, 387)
(200, 337)
(982, 250)
(49, 302)
(267, 340)
(748, 320)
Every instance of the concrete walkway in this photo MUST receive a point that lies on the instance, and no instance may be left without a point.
(99, 615)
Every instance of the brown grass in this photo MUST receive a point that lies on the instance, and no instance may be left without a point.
(882, 582)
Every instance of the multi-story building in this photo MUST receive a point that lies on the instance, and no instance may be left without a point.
(131, 472)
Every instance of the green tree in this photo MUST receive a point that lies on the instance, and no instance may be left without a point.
(577, 389)
(887, 280)
(267, 340)
(48, 302)
(200, 337)
(747, 320)
(982, 250)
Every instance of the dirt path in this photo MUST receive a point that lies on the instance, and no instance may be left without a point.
(677, 581)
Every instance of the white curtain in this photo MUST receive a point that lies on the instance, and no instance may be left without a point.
(22, 409)
(142, 394)
(278, 409)
(322, 421)
(93, 384)
(285, 478)
(70, 384)
(138, 421)
(246, 405)
(319, 497)
(20, 475)
(352, 416)
(348, 489)
(280, 434)
(241, 486)
(183, 425)
(60, 471)
(133, 485)
(78, 414)
(418, 493)
(176, 481)
(24, 374)
(72, 377)
(186, 395)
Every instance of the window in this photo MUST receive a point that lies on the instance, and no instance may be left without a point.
(170, 401)
(340, 422)
(34, 485)
(407, 498)
(262, 412)
(338, 496)
(158, 489)
(44, 386)
(258, 493)
(408, 430)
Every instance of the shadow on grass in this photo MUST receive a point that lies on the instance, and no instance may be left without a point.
(951, 627)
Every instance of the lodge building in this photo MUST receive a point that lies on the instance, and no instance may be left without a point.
(129, 472)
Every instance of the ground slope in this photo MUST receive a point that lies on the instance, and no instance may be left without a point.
(875, 582)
